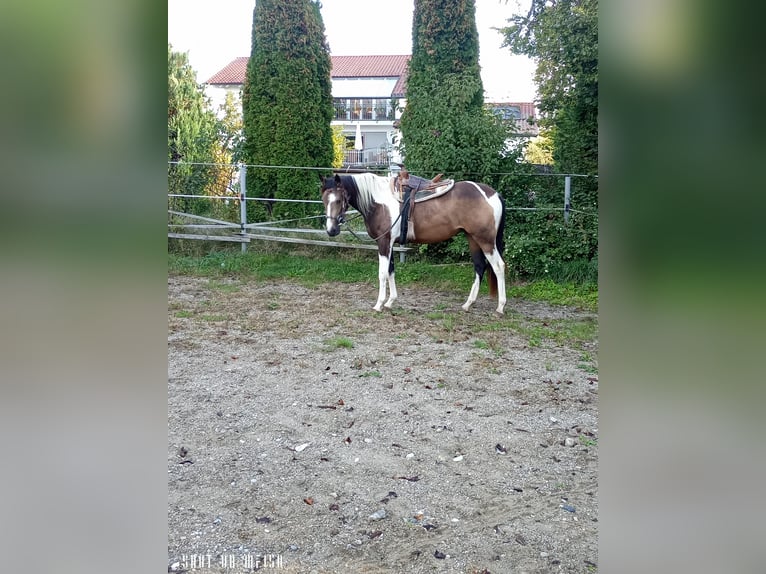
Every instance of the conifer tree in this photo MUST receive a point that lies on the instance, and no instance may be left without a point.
(445, 126)
(287, 104)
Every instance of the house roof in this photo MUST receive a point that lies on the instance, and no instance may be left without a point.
(342, 67)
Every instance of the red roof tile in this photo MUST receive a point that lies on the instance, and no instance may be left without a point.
(369, 66)
(233, 73)
(342, 67)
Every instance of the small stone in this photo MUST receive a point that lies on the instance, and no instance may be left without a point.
(410, 455)
(293, 548)
(368, 440)
(439, 555)
(458, 458)
(569, 441)
(553, 419)
(543, 555)
(301, 447)
(379, 515)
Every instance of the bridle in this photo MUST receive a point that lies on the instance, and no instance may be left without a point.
(341, 217)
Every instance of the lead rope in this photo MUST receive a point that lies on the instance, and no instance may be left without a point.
(351, 231)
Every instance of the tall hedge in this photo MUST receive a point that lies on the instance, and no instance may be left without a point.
(445, 126)
(287, 105)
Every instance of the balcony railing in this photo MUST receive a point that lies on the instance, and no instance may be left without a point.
(357, 109)
(366, 157)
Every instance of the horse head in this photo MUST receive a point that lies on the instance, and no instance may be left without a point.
(335, 199)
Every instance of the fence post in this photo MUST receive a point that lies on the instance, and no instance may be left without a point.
(567, 203)
(243, 203)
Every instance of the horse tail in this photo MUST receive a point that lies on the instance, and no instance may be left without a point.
(500, 245)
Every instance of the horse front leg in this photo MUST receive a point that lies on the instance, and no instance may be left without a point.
(392, 294)
(383, 263)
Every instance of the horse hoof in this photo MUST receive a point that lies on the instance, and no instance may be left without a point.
(376, 308)
(500, 312)
(465, 307)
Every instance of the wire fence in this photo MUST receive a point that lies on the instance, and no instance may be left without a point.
(204, 206)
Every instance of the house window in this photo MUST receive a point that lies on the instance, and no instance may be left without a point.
(508, 112)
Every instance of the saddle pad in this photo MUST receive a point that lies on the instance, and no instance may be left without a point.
(441, 188)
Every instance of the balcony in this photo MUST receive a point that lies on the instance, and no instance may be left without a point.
(378, 156)
(358, 109)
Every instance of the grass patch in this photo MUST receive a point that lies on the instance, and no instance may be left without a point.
(586, 441)
(224, 287)
(339, 343)
(480, 344)
(184, 314)
(371, 374)
(584, 296)
(214, 318)
(343, 267)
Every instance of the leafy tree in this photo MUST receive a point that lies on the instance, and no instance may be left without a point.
(562, 36)
(192, 135)
(445, 126)
(339, 146)
(287, 104)
(539, 150)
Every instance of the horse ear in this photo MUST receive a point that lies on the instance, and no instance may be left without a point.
(337, 180)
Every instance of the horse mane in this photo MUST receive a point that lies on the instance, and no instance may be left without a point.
(366, 185)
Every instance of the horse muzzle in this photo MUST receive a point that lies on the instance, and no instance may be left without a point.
(333, 225)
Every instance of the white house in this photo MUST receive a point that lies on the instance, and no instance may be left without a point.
(368, 95)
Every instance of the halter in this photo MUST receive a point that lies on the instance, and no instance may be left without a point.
(341, 217)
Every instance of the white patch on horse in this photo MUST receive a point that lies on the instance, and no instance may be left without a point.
(494, 202)
(331, 198)
(495, 258)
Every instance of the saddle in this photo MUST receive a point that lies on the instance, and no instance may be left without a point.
(412, 189)
(421, 189)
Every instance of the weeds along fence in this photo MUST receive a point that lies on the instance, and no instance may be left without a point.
(551, 218)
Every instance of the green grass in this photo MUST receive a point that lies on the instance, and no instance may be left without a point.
(371, 374)
(333, 267)
(585, 441)
(480, 344)
(339, 343)
(214, 318)
(584, 295)
(183, 314)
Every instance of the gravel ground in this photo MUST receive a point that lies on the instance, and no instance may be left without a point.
(307, 433)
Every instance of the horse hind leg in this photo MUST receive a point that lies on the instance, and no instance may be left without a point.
(479, 266)
(498, 268)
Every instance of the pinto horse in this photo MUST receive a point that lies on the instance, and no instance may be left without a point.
(474, 208)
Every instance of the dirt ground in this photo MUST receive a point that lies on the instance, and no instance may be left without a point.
(307, 433)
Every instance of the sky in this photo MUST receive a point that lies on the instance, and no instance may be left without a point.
(214, 32)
